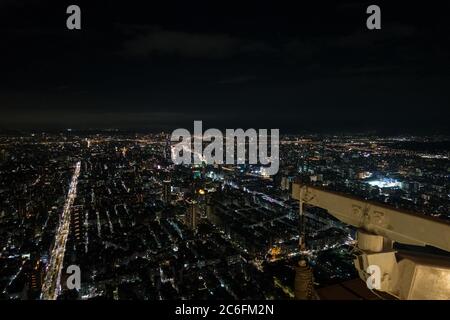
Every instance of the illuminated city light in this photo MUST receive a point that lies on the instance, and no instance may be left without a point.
(385, 183)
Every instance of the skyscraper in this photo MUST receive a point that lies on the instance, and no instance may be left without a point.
(167, 191)
(192, 215)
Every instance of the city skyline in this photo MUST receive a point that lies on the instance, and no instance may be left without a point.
(205, 151)
(140, 227)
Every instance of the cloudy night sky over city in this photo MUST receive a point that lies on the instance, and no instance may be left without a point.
(148, 65)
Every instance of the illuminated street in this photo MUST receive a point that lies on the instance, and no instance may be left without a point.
(52, 283)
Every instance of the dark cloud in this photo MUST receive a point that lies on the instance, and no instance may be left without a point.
(179, 43)
(393, 33)
(237, 80)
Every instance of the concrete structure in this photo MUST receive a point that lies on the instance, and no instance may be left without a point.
(404, 275)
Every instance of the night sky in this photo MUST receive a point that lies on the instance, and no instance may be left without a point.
(293, 65)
